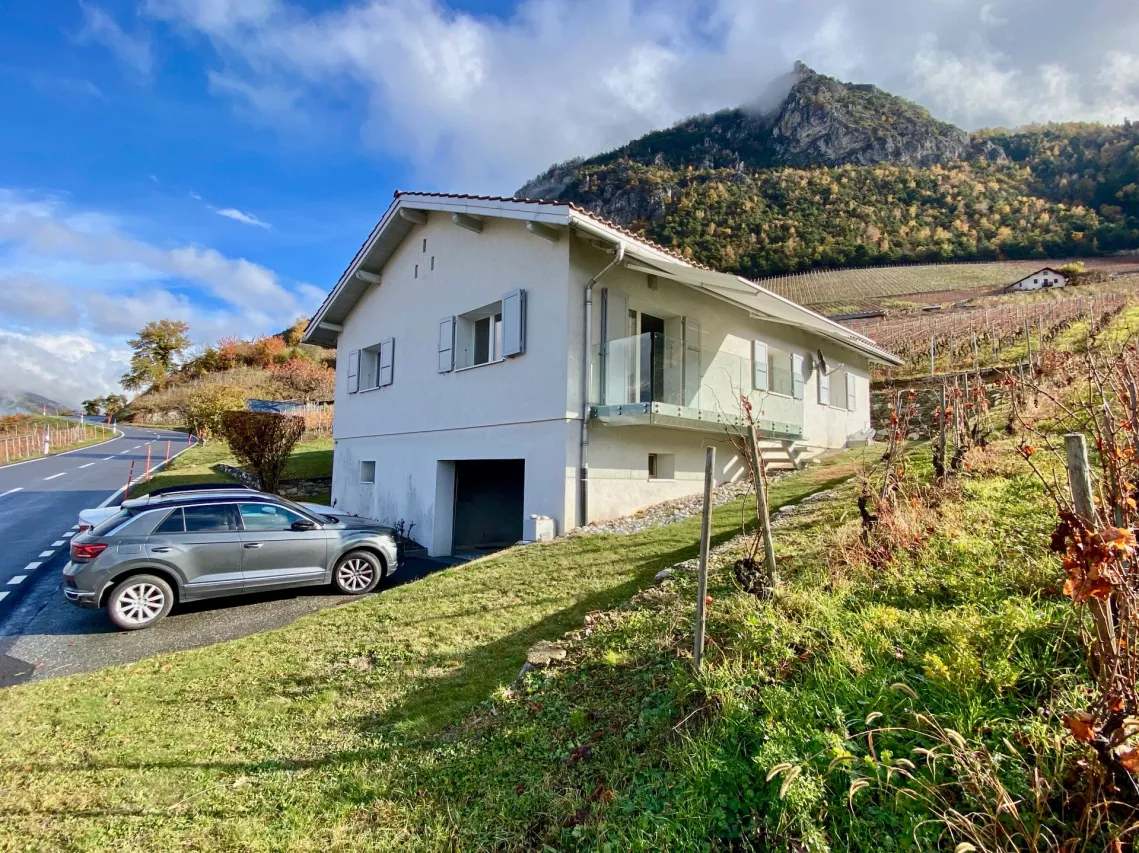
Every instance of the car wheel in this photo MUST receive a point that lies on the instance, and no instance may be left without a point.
(357, 572)
(139, 602)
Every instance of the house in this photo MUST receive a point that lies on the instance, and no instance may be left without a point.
(500, 359)
(1039, 280)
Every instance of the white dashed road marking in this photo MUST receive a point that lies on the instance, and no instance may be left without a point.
(57, 543)
(46, 554)
(3, 595)
(12, 491)
(67, 535)
(31, 567)
(108, 458)
(88, 465)
(121, 452)
(75, 527)
(17, 579)
(54, 476)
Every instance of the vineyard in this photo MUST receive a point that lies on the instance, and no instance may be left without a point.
(23, 437)
(842, 291)
(975, 339)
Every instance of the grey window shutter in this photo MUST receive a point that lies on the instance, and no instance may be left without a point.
(797, 376)
(446, 344)
(759, 365)
(514, 323)
(851, 393)
(824, 387)
(354, 371)
(387, 353)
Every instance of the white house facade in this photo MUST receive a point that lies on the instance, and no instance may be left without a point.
(1040, 280)
(502, 359)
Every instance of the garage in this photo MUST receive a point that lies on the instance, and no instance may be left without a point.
(488, 503)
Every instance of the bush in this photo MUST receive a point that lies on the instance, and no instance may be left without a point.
(206, 405)
(263, 441)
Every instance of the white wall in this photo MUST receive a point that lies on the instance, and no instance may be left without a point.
(1039, 281)
(514, 409)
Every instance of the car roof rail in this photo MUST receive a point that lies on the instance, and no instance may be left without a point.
(202, 487)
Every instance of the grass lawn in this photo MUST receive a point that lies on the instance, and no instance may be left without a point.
(200, 465)
(308, 737)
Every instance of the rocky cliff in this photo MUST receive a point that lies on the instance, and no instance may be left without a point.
(805, 119)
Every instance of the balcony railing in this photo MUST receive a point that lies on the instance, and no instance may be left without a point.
(654, 379)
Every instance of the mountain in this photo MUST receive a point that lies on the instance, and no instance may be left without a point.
(27, 403)
(820, 173)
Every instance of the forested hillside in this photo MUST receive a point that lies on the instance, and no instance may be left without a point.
(873, 180)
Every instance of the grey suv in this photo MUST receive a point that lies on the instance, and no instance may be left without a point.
(186, 544)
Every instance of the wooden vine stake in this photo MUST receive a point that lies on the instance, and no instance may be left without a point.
(705, 543)
(761, 506)
(1080, 481)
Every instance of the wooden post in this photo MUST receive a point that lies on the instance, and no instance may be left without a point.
(705, 544)
(941, 433)
(761, 506)
(1028, 343)
(976, 354)
(932, 365)
(1080, 481)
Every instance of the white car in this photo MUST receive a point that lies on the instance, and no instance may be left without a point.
(91, 518)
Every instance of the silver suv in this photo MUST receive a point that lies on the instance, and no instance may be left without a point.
(186, 544)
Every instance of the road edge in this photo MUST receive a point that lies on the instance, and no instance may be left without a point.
(119, 434)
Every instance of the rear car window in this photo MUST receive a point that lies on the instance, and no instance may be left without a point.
(111, 523)
(210, 519)
(173, 523)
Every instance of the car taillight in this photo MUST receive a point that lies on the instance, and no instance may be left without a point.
(84, 527)
(86, 551)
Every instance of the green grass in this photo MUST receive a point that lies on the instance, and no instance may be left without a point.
(200, 465)
(308, 738)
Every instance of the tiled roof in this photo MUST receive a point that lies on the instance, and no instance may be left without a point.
(581, 211)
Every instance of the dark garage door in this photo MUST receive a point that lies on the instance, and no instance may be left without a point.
(488, 502)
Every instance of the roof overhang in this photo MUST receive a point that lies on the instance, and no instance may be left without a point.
(365, 270)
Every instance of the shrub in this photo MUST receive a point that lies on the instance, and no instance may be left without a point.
(206, 405)
(306, 380)
(263, 441)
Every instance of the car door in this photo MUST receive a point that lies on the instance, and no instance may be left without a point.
(273, 554)
(202, 543)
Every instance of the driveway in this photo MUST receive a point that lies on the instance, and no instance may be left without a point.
(45, 636)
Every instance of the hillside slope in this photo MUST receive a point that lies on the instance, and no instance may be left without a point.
(836, 174)
(16, 402)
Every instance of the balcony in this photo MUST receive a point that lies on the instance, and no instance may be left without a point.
(651, 379)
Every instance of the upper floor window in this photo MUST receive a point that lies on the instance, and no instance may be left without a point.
(485, 335)
(372, 367)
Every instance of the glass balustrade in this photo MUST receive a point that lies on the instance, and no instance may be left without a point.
(655, 379)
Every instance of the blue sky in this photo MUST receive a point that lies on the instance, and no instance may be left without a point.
(220, 161)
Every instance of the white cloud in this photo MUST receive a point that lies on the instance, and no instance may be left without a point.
(133, 51)
(75, 283)
(480, 102)
(246, 218)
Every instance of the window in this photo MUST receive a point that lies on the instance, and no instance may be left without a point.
(367, 472)
(851, 393)
(267, 517)
(417, 270)
(173, 523)
(432, 262)
(210, 518)
(779, 372)
(376, 365)
(824, 387)
(485, 335)
(662, 466)
(425, 245)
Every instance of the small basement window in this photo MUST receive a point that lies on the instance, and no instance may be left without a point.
(367, 472)
(662, 466)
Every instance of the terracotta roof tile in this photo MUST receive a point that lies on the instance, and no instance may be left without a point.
(574, 207)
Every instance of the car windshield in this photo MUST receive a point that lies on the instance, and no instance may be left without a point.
(308, 513)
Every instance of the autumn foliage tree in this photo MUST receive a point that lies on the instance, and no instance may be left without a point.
(263, 441)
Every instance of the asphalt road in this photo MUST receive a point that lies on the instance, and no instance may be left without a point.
(43, 635)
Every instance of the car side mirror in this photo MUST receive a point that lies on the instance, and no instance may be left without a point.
(304, 524)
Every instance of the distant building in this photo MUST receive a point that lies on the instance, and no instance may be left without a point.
(1039, 280)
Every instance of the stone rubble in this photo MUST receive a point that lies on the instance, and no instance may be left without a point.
(672, 511)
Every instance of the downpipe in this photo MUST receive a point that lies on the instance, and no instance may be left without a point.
(587, 387)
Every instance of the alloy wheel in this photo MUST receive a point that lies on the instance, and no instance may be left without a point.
(355, 574)
(140, 603)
